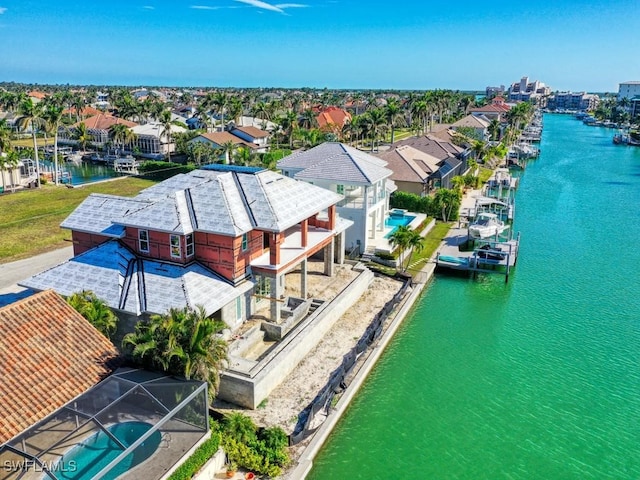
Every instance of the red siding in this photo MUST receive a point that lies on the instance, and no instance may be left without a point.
(224, 254)
(86, 241)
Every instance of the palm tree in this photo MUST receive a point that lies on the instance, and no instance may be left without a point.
(394, 116)
(181, 342)
(399, 240)
(165, 130)
(494, 129)
(479, 148)
(447, 200)
(53, 117)
(220, 101)
(31, 116)
(228, 148)
(121, 135)
(82, 136)
(5, 136)
(289, 123)
(96, 311)
(414, 242)
(235, 109)
(376, 122)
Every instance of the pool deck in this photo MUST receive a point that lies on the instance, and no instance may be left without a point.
(380, 243)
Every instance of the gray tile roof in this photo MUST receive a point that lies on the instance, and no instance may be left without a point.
(223, 202)
(277, 202)
(134, 285)
(336, 162)
(98, 211)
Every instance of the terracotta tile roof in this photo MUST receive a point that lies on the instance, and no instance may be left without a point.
(331, 116)
(104, 122)
(50, 354)
(87, 111)
(36, 94)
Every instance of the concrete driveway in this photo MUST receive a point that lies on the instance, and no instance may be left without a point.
(12, 273)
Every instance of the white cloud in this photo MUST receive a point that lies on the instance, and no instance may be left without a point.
(203, 7)
(262, 5)
(291, 5)
(2, 10)
(149, 7)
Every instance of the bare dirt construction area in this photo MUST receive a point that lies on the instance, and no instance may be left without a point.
(297, 390)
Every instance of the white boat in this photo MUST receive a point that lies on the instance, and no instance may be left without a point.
(486, 225)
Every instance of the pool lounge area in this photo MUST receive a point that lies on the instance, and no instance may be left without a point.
(397, 217)
(134, 424)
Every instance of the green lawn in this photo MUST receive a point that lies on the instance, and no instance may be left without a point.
(431, 243)
(30, 219)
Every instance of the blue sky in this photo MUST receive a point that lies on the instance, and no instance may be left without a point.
(465, 45)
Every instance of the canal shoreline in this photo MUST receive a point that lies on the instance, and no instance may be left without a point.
(304, 462)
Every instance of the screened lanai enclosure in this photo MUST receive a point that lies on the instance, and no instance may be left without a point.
(133, 424)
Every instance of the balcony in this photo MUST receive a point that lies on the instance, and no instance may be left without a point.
(291, 250)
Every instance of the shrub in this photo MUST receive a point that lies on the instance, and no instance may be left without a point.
(264, 451)
(197, 460)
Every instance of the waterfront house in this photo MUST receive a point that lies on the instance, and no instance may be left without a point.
(363, 179)
(98, 128)
(452, 158)
(50, 355)
(213, 237)
(152, 142)
(496, 110)
(479, 124)
(413, 170)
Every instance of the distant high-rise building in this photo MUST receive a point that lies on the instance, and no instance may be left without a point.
(492, 92)
(526, 90)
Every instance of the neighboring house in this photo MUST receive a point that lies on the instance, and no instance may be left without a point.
(363, 179)
(413, 171)
(213, 237)
(479, 124)
(254, 135)
(50, 355)
(333, 119)
(497, 109)
(453, 159)
(151, 141)
(98, 127)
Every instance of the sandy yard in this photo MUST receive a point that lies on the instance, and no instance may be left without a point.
(298, 389)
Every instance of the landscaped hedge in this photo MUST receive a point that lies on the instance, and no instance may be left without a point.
(162, 170)
(201, 456)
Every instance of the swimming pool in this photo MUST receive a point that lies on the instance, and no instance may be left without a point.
(86, 459)
(396, 220)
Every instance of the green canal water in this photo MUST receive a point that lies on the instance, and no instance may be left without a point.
(536, 379)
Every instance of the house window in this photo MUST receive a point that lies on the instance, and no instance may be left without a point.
(143, 240)
(189, 245)
(175, 246)
(340, 189)
(263, 287)
(245, 242)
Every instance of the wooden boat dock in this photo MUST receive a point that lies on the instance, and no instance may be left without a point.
(487, 256)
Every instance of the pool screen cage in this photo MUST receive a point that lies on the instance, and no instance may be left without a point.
(112, 428)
